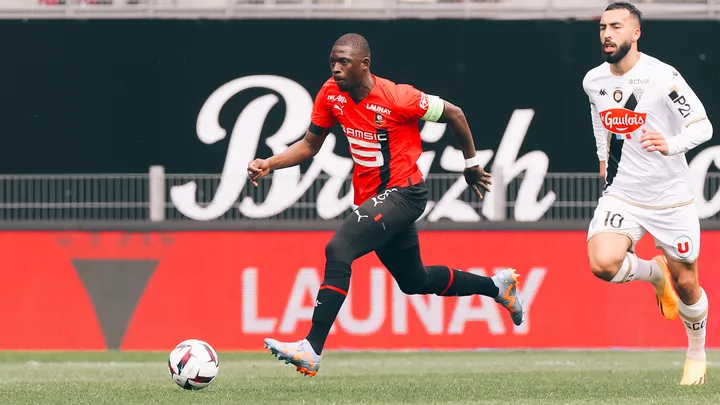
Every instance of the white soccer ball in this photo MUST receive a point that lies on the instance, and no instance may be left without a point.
(193, 364)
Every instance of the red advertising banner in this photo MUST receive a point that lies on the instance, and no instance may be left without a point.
(148, 291)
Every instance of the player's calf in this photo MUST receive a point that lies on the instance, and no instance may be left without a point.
(330, 299)
(685, 281)
(423, 284)
(447, 282)
(693, 310)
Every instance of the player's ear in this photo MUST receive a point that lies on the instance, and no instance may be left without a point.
(636, 33)
(366, 62)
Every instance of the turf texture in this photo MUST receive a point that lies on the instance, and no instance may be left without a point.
(439, 378)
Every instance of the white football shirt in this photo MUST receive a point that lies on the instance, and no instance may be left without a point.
(654, 96)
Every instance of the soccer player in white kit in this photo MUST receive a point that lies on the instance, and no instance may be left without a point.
(645, 117)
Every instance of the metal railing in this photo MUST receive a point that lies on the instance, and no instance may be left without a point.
(347, 9)
(192, 197)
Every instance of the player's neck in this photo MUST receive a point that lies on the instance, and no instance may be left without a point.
(627, 63)
(363, 89)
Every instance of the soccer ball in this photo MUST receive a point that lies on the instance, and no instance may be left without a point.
(193, 364)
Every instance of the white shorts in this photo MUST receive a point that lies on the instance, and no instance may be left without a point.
(676, 230)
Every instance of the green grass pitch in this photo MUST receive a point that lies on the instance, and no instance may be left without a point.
(438, 378)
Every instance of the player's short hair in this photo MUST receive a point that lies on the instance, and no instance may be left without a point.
(623, 5)
(357, 42)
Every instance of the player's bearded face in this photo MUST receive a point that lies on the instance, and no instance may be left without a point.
(614, 53)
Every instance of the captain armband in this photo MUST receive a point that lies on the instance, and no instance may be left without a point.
(435, 110)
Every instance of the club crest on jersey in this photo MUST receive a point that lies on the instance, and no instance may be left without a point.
(424, 101)
(380, 120)
(638, 92)
(618, 95)
(622, 121)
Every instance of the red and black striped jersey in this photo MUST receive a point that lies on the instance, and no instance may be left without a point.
(382, 131)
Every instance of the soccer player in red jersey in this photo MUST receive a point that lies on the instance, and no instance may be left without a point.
(380, 120)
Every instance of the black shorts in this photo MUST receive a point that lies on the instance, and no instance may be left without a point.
(385, 221)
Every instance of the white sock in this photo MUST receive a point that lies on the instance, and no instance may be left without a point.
(626, 269)
(647, 270)
(695, 320)
(634, 268)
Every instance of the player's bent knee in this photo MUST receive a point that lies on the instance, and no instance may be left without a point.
(419, 284)
(412, 288)
(337, 251)
(339, 273)
(606, 252)
(416, 281)
(605, 266)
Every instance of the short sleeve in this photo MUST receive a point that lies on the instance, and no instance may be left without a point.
(685, 106)
(322, 118)
(415, 104)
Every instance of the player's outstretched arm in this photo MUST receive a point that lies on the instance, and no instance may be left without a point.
(416, 104)
(297, 153)
(455, 117)
(475, 176)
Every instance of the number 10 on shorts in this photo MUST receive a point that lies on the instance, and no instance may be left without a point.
(613, 220)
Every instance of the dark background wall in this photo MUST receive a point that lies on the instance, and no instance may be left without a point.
(119, 96)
